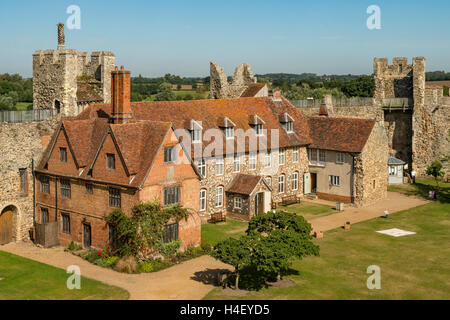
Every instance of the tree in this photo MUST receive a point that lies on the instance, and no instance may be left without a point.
(165, 92)
(235, 252)
(436, 171)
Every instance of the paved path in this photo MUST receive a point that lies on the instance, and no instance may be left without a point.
(393, 203)
(175, 283)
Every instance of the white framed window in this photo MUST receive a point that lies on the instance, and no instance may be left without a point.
(295, 155)
(237, 163)
(238, 203)
(317, 157)
(295, 181)
(335, 181)
(282, 157)
(219, 166)
(322, 156)
(196, 136)
(259, 128)
(340, 157)
(219, 197)
(268, 159)
(281, 184)
(253, 160)
(229, 133)
(269, 181)
(290, 127)
(203, 200)
(202, 167)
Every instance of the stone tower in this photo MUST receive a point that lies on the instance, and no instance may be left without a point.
(222, 89)
(67, 80)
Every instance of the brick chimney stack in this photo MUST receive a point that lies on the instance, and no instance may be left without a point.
(120, 95)
(326, 108)
(61, 37)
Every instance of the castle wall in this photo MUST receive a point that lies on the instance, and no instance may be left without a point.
(222, 89)
(20, 143)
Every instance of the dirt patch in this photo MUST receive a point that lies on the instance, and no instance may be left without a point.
(235, 293)
(285, 283)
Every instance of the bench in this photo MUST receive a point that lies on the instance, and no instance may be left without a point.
(290, 200)
(218, 217)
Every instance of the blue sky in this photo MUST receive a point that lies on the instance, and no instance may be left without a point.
(153, 38)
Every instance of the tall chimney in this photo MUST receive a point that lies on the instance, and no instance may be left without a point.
(61, 37)
(120, 95)
(326, 108)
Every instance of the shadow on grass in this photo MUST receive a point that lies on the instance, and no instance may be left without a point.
(422, 189)
(210, 276)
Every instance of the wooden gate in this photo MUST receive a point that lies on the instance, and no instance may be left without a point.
(6, 226)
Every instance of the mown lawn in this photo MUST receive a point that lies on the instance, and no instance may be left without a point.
(24, 279)
(412, 267)
(214, 233)
(310, 210)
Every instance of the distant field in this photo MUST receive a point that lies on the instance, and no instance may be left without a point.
(23, 105)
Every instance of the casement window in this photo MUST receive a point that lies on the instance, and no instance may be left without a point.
(44, 216)
(289, 126)
(202, 167)
(219, 197)
(112, 236)
(238, 203)
(170, 233)
(229, 133)
(340, 157)
(253, 160)
(259, 129)
(171, 196)
(282, 157)
(281, 184)
(65, 223)
(203, 200)
(219, 166)
(295, 155)
(63, 155)
(115, 198)
(65, 189)
(89, 188)
(237, 164)
(335, 181)
(196, 136)
(295, 181)
(170, 154)
(269, 181)
(45, 184)
(23, 182)
(268, 160)
(111, 161)
(317, 157)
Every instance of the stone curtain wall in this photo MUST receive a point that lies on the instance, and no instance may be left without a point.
(20, 143)
(221, 89)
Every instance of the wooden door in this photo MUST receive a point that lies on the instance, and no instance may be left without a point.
(314, 182)
(87, 236)
(6, 227)
(307, 182)
(259, 201)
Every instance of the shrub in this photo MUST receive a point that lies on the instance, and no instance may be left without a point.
(74, 247)
(206, 246)
(90, 255)
(154, 265)
(100, 262)
(127, 265)
(111, 262)
(168, 250)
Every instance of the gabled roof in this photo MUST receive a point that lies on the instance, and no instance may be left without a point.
(245, 184)
(253, 90)
(213, 112)
(395, 161)
(340, 134)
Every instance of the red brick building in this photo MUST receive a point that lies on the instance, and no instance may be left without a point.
(93, 166)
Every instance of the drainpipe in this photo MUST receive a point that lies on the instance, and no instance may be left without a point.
(34, 193)
(56, 199)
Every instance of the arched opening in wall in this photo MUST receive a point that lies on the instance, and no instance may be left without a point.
(57, 106)
(7, 224)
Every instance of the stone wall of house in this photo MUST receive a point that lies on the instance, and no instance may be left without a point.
(222, 89)
(371, 169)
(20, 144)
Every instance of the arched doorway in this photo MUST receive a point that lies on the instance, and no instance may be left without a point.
(6, 225)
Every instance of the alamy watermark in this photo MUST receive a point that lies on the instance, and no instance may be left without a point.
(374, 20)
(374, 281)
(74, 20)
(74, 281)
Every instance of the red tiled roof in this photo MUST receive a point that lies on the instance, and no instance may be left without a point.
(211, 112)
(253, 90)
(244, 184)
(340, 134)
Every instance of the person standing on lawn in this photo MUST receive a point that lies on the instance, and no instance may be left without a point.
(413, 176)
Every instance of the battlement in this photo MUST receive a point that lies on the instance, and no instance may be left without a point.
(57, 56)
(400, 66)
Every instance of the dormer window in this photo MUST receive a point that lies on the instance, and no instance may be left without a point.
(229, 133)
(257, 124)
(259, 129)
(228, 127)
(196, 131)
(287, 123)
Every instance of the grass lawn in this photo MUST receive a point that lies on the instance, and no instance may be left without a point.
(23, 105)
(25, 279)
(422, 187)
(214, 233)
(310, 210)
(412, 267)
